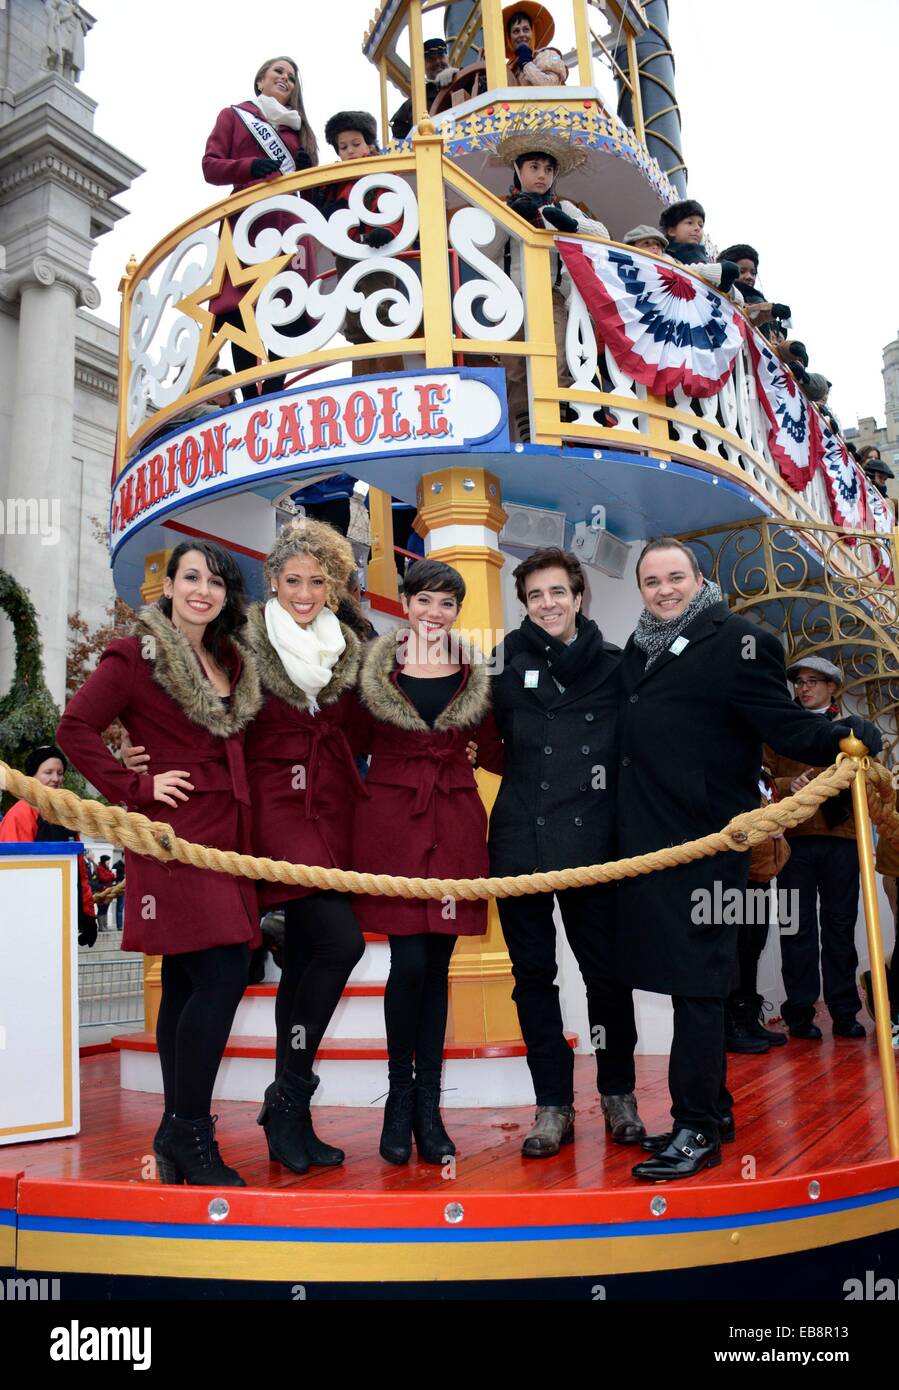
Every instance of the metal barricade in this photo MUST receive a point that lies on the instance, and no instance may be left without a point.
(110, 991)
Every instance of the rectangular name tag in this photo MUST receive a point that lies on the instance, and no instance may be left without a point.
(531, 680)
(678, 645)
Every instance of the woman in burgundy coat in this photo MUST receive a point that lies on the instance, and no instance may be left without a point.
(423, 696)
(303, 783)
(186, 693)
(235, 156)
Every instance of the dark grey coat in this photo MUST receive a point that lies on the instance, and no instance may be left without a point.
(555, 808)
(692, 729)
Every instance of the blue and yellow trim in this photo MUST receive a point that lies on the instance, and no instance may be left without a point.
(338, 1254)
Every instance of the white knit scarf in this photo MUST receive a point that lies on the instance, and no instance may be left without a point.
(308, 654)
(275, 113)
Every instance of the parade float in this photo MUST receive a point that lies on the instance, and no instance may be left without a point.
(676, 418)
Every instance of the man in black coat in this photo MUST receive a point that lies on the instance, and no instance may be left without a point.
(556, 700)
(702, 690)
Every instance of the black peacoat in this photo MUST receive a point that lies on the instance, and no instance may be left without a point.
(556, 805)
(692, 729)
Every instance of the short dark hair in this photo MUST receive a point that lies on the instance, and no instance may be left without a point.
(864, 455)
(740, 251)
(434, 577)
(798, 350)
(669, 543)
(519, 14)
(549, 557)
(678, 211)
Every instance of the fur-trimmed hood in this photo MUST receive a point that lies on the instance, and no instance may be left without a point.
(178, 672)
(276, 680)
(387, 702)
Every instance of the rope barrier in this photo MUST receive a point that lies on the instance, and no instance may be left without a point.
(158, 840)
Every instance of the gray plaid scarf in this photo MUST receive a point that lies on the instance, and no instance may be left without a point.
(654, 635)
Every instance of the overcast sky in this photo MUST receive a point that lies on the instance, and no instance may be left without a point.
(790, 135)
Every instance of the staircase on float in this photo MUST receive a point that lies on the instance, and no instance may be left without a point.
(352, 1059)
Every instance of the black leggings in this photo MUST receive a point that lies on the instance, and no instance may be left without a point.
(200, 994)
(415, 1006)
(322, 943)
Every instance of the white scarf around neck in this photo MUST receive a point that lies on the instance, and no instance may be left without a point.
(275, 113)
(308, 654)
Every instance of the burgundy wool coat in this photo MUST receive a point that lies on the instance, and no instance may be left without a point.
(303, 777)
(166, 703)
(230, 151)
(423, 815)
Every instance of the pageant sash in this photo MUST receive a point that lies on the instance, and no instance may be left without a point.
(268, 139)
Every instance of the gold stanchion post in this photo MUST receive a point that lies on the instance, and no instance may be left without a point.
(854, 748)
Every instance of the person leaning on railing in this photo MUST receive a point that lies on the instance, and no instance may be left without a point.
(684, 224)
(538, 159)
(765, 315)
(257, 141)
(23, 824)
(702, 690)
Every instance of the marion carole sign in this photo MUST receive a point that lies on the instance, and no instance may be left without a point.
(300, 430)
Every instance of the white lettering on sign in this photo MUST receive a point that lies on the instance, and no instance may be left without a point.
(396, 414)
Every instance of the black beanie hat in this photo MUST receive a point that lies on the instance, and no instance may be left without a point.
(37, 756)
(342, 121)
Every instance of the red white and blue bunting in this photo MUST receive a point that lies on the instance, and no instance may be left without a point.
(844, 480)
(794, 429)
(663, 327)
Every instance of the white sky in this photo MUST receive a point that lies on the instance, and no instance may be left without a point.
(790, 134)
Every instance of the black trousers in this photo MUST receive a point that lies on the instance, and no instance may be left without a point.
(416, 1003)
(751, 939)
(697, 1065)
(588, 916)
(825, 867)
(322, 943)
(200, 994)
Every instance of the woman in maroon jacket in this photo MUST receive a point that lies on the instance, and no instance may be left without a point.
(303, 782)
(254, 141)
(186, 693)
(423, 696)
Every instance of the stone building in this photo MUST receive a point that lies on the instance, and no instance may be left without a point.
(58, 361)
(885, 436)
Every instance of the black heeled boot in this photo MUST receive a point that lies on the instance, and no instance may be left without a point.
(165, 1169)
(431, 1139)
(191, 1154)
(288, 1128)
(396, 1133)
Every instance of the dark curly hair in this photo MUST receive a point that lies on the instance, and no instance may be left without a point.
(678, 211)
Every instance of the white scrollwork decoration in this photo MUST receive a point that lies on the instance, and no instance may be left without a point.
(157, 344)
(501, 306)
(393, 201)
(287, 296)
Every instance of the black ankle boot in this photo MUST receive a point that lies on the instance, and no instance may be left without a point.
(191, 1154)
(288, 1128)
(165, 1169)
(396, 1134)
(756, 1024)
(738, 1034)
(431, 1139)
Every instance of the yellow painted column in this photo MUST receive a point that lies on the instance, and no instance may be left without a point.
(582, 36)
(435, 279)
(636, 95)
(417, 61)
(494, 44)
(460, 515)
(381, 566)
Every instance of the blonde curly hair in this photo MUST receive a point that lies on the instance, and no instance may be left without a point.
(306, 536)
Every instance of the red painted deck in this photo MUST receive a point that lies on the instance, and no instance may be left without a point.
(801, 1108)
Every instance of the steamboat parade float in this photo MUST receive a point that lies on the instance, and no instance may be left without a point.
(459, 476)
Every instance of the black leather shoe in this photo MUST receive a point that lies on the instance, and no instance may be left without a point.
(686, 1155)
(848, 1027)
(739, 1033)
(622, 1120)
(653, 1143)
(431, 1139)
(809, 1032)
(396, 1132)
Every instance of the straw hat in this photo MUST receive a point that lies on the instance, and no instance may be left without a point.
(522, 138)
(541, 22)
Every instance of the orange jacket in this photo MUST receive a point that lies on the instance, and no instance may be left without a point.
(19, 827)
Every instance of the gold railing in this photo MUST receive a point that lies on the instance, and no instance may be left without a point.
(451, 302)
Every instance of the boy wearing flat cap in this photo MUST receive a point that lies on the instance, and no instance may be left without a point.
(823, 864)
